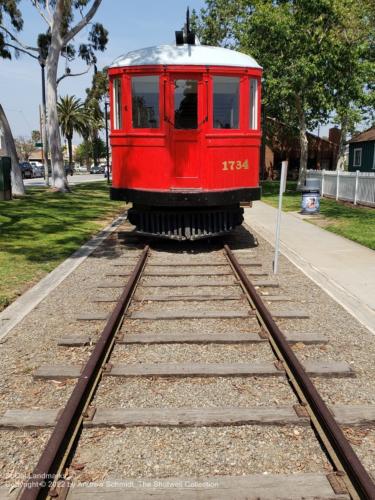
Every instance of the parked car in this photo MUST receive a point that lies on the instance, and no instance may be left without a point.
(97, 169)
(81, 169)
(26, 170)
(36, 164)
(69, 170)
(38, 169)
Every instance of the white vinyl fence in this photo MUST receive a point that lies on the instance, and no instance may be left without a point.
(357, 187)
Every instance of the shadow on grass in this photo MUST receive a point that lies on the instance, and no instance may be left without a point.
(48, 226)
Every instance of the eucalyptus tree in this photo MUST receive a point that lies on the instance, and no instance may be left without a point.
(300, 45)
(64, 20)
(9, 12)
(72, 118)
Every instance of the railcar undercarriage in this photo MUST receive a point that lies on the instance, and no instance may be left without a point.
(185, 223)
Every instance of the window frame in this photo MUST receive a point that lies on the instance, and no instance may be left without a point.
(141, 130)
(354, 157)
(198, 79)
(256, 101)
(211, 90)
(117, 104)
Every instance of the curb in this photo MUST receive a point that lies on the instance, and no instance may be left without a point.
(16, 311)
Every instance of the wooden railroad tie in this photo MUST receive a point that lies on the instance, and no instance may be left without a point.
(349, 415)
(195, 338)
(293, 487)
(186, 313)
(187, 298)
(192, 313)
(256, 369)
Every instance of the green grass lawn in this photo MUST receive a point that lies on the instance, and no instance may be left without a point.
(39, 231)
(354, 223)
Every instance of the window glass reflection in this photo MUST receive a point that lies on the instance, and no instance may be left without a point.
(226, 102)
(186, 104)
(145, 102)
(253, 103)
(117, 115)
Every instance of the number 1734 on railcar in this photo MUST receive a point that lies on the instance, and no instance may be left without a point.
(185, 137)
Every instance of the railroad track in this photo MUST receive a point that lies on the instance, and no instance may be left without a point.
(226, 289)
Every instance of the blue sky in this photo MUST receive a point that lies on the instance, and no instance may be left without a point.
(131, 25)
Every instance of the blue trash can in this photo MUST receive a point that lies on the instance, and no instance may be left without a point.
(310, 203)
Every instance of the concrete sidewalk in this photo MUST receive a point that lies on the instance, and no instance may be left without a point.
(344, 269)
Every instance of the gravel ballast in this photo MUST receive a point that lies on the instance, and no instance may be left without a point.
(205, 451)
(163, 452)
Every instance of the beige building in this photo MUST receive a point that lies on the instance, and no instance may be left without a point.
(37, 154)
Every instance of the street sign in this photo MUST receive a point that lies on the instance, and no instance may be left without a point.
(38, 144)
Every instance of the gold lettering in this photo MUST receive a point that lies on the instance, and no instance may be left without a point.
(235, 165)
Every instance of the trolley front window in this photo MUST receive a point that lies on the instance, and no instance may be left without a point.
(226, 102)
(117, 107)
(186, 104)
(145, 102)
(253, 103)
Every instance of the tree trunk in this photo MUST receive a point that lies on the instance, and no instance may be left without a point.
(95, 147)
(18, 188)
(340, 163)
(70, 150)
(304, 145)
(57, 162)
(45, 146)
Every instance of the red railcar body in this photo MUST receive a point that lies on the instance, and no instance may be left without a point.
(185, 137)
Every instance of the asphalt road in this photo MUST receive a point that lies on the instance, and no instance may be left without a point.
(72, 179)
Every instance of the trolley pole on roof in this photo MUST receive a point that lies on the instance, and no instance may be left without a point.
(284, 170)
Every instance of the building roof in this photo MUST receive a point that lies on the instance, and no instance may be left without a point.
(195, 55)
(367, 135)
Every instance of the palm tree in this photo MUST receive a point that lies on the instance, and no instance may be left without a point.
(72, 118)
(96, 123)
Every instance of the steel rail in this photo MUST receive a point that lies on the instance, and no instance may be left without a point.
(68, 424)
(357, 474)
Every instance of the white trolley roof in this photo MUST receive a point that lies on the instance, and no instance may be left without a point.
(195, 55)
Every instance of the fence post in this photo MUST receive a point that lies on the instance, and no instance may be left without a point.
(356, 187)
(322, 184)
(337, 184)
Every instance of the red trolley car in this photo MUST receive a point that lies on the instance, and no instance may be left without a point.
(185, 137)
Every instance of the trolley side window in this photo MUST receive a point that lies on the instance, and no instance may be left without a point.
(145, 102)
(253, 103)
(226, 102)
(117, 117)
